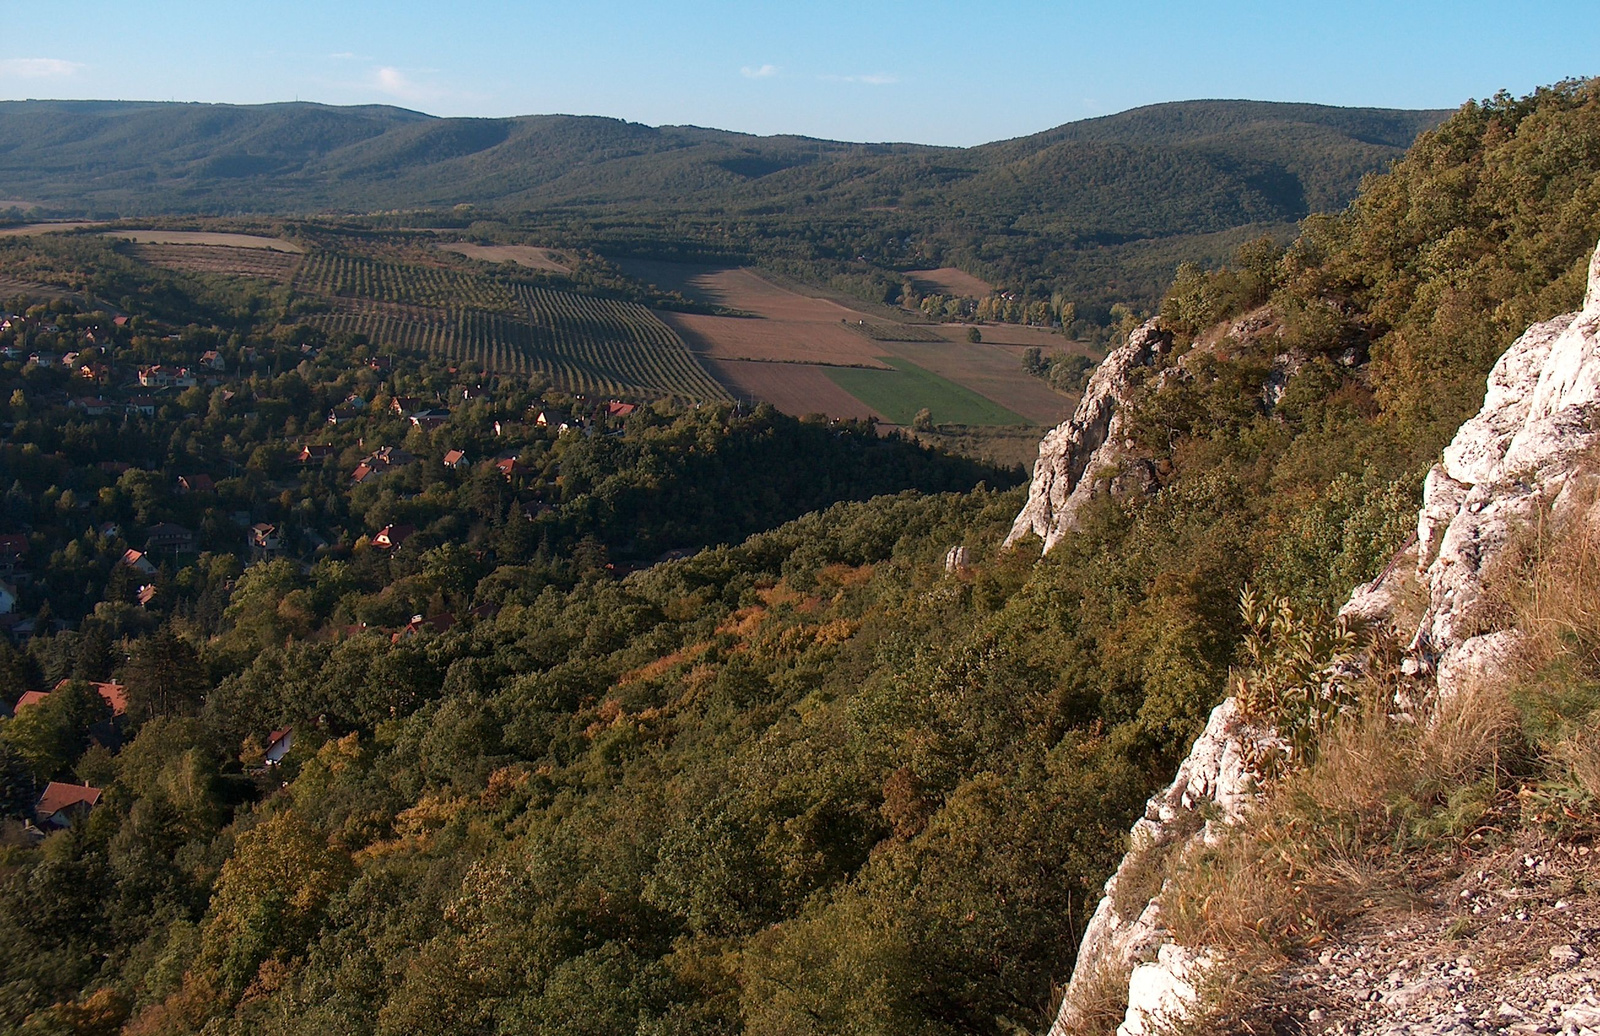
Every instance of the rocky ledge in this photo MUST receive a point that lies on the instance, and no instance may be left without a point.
(1510, 464)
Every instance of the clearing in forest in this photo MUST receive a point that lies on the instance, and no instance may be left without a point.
(532, 257)
(205, 237)
(30, 229)
(947, 280)
(267, 264)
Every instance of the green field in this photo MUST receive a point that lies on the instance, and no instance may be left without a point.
(898, 394)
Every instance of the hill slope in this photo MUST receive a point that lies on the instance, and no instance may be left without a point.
(1012, 210)
(136, 157)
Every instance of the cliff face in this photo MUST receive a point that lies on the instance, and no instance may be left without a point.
(1091, 453)
(1512, 463)
(1080, 453)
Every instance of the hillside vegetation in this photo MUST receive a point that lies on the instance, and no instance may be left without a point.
(814, 782)
(1082, 204)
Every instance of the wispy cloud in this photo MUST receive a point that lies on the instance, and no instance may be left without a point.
(348, 55)
(399, 84)
(759, 71)
(872, 79)
(37, 68)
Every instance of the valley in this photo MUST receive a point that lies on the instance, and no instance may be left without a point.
(561, 576)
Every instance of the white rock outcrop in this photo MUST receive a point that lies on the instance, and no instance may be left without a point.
(1508, 465)
(1505, 468)
(1214, 785)
(1086, 450)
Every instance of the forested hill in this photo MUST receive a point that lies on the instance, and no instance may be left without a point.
(1008, 210)
(136, 158)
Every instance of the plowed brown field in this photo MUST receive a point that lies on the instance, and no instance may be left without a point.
(794, 388)
(783, 325)
(30, 229)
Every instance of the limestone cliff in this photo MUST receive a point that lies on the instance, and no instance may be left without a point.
(1079, 453)
(1508, 465)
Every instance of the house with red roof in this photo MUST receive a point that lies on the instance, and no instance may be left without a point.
(391, 536)
(511, 467)
(440, 623)
(136, 560)
(93, 406)
(379, 463)
(62, 805)
(115, 694)
(455, 459)
(196, 484)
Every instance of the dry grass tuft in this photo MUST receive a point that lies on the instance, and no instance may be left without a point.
(1100, 999)
(1556, 603)
(1344, 834)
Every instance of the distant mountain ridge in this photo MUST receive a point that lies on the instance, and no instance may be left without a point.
(140, 158)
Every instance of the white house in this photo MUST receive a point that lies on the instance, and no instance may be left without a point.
(278, 744)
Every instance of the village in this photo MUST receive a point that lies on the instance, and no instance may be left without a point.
(234, 503)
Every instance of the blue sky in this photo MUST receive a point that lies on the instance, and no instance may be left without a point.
(938, 71)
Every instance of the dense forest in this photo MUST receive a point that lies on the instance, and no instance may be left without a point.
(823, 775)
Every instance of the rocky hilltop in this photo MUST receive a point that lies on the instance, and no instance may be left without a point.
(1518, 460)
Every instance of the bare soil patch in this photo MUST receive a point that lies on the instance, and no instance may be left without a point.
(788, 329)
(774, 341)
(205, 237)
(783, 326)
(795, 388)
(240, 262)
(523, 255)
(947, 280)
